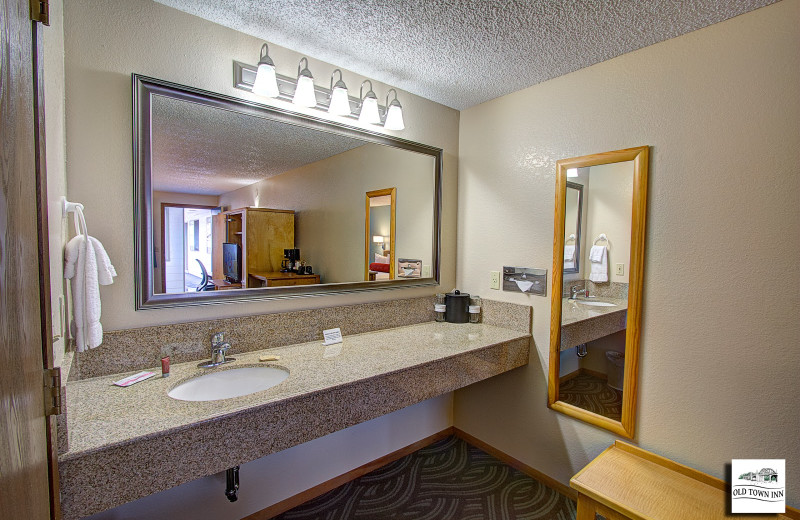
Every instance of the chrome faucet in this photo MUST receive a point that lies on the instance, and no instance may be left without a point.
(575, 290)
(219, 347)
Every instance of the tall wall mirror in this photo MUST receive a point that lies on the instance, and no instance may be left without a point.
(596, 305)
(237, 200)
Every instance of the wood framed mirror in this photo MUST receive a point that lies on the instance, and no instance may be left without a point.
(379, 235)
(596, 305)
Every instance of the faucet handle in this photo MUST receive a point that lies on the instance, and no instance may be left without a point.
(217, 338)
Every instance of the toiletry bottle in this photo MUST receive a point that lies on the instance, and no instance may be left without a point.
(439, 307)
(475, 309)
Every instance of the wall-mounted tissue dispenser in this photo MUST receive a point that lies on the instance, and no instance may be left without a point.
(524, 279)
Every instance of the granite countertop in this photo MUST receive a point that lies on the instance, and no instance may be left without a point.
(572, 311)
(582, 323)
(101, 415)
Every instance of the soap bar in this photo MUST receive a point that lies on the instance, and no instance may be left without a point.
(269, 358)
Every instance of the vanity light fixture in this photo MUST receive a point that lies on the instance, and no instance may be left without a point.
(266, 83)
(304, 93)
(264, 80)
(572, 172)
(369, 105)
(394, 113)
(340, 102)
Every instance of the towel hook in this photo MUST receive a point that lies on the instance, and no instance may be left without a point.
(602, 236)
(571, 237)
(69, 207)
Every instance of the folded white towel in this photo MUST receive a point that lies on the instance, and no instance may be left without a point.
(88, 266)
(524, 285)
(596, 253)
(569, 253)
(598, 260)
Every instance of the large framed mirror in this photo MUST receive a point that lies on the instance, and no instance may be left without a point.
(596, 304)
(235, 200)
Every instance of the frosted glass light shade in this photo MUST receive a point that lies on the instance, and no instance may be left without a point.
(266, 83)
(340, 104)
(394, 118)
(369, 111)
(572, 172)
(304, 93)
(378, 239)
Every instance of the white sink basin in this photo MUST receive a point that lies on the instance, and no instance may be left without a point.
(596, 303)
(225, 384)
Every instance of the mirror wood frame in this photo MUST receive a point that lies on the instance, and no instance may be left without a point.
(392, 193)
(578, 233)
(626, 427)
(143, 89)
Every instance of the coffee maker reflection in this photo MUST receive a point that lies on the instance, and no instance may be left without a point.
(291, 260)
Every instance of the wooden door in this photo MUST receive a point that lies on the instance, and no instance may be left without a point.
(26, 459)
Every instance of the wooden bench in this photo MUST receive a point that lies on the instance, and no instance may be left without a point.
(628, 482)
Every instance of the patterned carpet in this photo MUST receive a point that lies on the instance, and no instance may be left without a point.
(592, 393)
(448, 480)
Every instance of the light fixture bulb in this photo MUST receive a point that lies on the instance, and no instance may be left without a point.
(304, 92)
(369, 106)
(340, 99)
(394, 113)
(266, 83)
(572, 172)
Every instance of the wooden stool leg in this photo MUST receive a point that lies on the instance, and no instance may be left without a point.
(586, 508)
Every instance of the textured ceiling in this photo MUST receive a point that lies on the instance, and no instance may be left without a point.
(209, 151)
(462, 53)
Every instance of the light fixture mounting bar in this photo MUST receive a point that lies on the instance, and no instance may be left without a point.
(244, 76)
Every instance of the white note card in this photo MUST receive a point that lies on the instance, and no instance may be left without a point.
(332, 336)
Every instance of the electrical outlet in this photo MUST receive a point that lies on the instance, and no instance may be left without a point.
(620, 269)
(426, 271)
(494, 279)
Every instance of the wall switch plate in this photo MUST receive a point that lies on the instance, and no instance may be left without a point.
(494, 280)
(426, 271)
(620, 269)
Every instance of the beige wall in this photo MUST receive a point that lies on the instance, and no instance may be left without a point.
(329, 200)
(608, 196)
(104, 44)
(53, 54)
(103, 47)
(720, 108)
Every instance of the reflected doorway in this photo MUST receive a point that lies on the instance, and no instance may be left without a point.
(186, 242)
(379, 263)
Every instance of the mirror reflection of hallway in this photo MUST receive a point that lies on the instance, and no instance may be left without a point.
(185, 242)
(379, 239)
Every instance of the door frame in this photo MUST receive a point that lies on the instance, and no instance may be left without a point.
(367, 238)
(163, 255)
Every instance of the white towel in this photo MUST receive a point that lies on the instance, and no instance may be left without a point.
(598, 259)
(523, 285)
(88, 267)
(569, 257)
